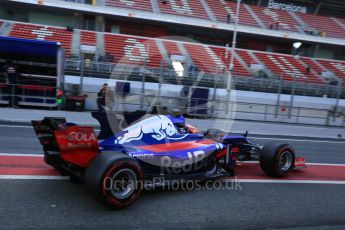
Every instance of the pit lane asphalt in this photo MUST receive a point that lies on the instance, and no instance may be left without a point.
(57, 204)
(62, 205)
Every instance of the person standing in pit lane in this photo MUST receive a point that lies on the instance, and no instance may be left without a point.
(11, 74)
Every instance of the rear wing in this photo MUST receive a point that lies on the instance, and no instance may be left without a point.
(44, 130)
(76, 144)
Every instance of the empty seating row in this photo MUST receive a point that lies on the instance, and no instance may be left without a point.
(132, 50)
(288, 67)
(252, 15)
(183, 7)
(47, 33)
(337, 67)
(204, 58)
(171, 48)
(323, 24)
(224, 55)
(131, 4)
(136, 50)
(275, 19)
(225, 11)
(313, 65)
(88, 38)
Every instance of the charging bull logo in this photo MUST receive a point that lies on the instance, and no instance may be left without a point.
(159, 127)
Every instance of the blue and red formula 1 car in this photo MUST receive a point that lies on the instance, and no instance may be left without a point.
(152, 151)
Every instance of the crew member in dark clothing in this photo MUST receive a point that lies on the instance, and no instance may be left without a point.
(11, 74)
(228, 18)
(105, 98)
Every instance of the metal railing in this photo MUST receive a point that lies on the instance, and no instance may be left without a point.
(270, 84)
(278, 111)
(27, 95)
(219, 108)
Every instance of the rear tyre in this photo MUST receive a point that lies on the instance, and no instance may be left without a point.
(114, 179)
(277, 159)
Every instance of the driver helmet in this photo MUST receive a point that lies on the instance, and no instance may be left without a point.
(192, 129)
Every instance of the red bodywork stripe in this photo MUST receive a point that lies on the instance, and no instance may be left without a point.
(221, 153)
(176, 146)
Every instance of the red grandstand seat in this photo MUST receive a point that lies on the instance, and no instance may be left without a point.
(88, 38)
(337, 67)
(183, 7)
(131, 4)
(287, 66)
(323, 24)
(246, 57)
(205, 58)
(341, 20)
(225, 56)
(133, 50)
(222, 8)
(47, 33)
(270, 16)
(313, 65)
(172, 48)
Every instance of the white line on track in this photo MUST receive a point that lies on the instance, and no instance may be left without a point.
(268, 181)
(325, 164)
(317, 164)
(17, 126)
(31, 177)
(21, 155)
(299, 140)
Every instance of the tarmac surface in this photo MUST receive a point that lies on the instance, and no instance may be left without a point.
(50, 204)
(57, 203)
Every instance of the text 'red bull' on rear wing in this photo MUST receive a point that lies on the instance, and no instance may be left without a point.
(76, 144)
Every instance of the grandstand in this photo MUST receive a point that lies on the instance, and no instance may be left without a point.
(142, 33)
(134, 50)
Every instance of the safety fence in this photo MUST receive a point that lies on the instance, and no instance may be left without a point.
(27, 95)
(210, 106)
(270, 84)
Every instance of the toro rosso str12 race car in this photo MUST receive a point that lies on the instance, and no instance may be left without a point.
(116, 169)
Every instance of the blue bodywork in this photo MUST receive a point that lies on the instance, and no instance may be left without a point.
(157, 138)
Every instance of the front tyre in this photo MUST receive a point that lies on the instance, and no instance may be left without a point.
(277, 159)
(114, 179)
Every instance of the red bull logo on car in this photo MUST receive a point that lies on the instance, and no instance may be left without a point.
(158, 126)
